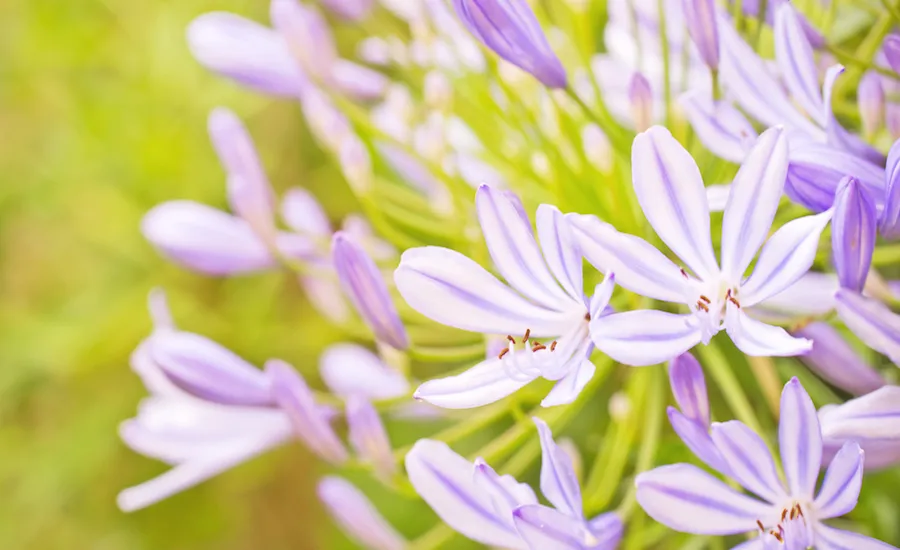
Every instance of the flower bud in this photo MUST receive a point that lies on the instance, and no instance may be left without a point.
(349, 369)
(891, 48)
(325, 121)
(889, 224)
(641, 97)
(700, 16)
(368, 436)
(307, 35)
(357, 516)
(597, 148)
(870, 97)
(356, 164)
(852, 233)
(689, 388)
(351, 10)
(836, 361)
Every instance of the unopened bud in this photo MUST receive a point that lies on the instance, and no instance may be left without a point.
(870, 97)
(641, 97)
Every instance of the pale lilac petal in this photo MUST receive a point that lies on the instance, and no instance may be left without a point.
(837, 135)
(559, 484)
(751, 207)
(326, 122)
(671, 193)
(829, 538)
(505, 492)
(759, 339)
(368, 436)
(638, 265)
(723, 129)
(326, 296)
(889, 224)
(853, 234)
(811, 186)
(297, 400)
(870, 101)
(560, 249)
(359, 82)
(645, 337)
(700, 16)
(843, 480)
(451, 289)
(514, 250)
(689, 387)
(569, 387)
(835, 360)
(208, 370)
(307, 36)
(696, 437)
(445, 481)
(800, 440)
(687, 499)
(873, 416)
(160, 314)
(794, 55)
(485, 383)
(811, 296)
(717, 196)
(356, 515)
(543, 528)
(872, 321)
(786, 257)
(245, 51)
(349, 369)
(351, 10)
(365, 287)
(817, 169)
(302, 212)
(749, 460)
(607, 528)
(204, 239)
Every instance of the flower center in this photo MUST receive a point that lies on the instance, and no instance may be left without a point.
(791, 531)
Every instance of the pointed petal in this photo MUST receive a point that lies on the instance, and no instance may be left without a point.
(560, 249)
(889, 225)
(671, 193)
(368, 436)
(759, 339)
(303, 213)
(569, 387)
(607, 528)
(786, 257)
(872, 321)
(872, 416)
(721, 128)
(687, 499)
(853, 234)
(514, 250)
(505, 492)
(357, 81)
(751, 207)
(348, 369)
(644, 337)
(800, 440)
(307, 36)
(602, 293)
(638, 265)
(451, 289)
(542, 528)
(843, 480)
(356, 515)
(794, 55)
(812, 295)
(835, 360)
(689, 388)
(445, 481)
(485, 383)
(559, 484)
(749, 460)
(819, 168)
(829, 538)
(837, 135)
(697, 439)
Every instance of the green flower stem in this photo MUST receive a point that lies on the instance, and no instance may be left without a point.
(761, 21)
(618, 136)
(737, 13)
(849, 59)
(892, 9)
(886, 255)
(667, 69)
(481, 419)
(722, 373)
(435, 537)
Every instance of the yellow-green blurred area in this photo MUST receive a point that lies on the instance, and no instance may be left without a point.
(103, 115)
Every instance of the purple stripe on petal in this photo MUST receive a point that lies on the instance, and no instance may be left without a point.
(853, 234)
(357, 516)
(794, 55)
(543, 528)
(838, 539)
(872, 321)
(835, 360)
(843, 480)
(559, 484)
(749, 460)
(873, 416)
(889, 224)
(689, 388)
(485, 383)
(505, 492)
(700, 16)
(800, 440)
(644, 337)
(696, 437)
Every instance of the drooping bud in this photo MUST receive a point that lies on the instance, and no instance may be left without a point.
(352, 10)
(597, 148)
(357, 516)
(307, 35)
(641, 97)
(689, 388)
(356, 164)
(836, 361)
(889, 224)
(365, 287)
(325, 121)
(852, 233)
(891, 48)
(368, 436)
(870, 98)
(700, 16)
(512, 31)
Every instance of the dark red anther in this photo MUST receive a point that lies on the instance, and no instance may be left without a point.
(527, 334)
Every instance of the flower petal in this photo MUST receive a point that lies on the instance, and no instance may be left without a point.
(723, 129)
(368, 436)
(560, 249)
(873, 416)
(717, 196)
(853, 234)
(485, 383)
(638, 265)
(505, 491)
(843, 480)
(872, 321)
(794, 55)
(559, 484)
(445, 481)
(889, 224)
(689, 388)
(837, 135)
(349, 369)
(835, 360)
(569, 387)
(687, 499)
(825, 166)
(696, 437)
(751, 207)
(307, 36)
(357, 81)
(356, 515)
(302, 212)
(644, 337)
(749, 459)
(829, 538)
(542, 528)
(811, 296)
(800, 440)
(671, 193)
(451, 289)
(607, 528)
(759, 339)
(786, 257)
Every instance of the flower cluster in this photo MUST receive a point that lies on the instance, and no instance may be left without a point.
(680, 175)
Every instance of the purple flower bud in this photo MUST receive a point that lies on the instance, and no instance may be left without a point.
(700, 16)
(348, 369)
(891, 48)
(307, 35)
(836, 361)
(357, 516)
(510, 29)
(889, 224)
(352, 10)
(892, 119)
(689, 388)
(641, 97)
(302, 213)
(870, 97)
(245, 51)
(368, 436)
(204, 239)
(364, 285)
(310, 421)
(329, 125)
(208, 370)
(853, 233)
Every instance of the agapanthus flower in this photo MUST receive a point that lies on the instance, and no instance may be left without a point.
(872, 321)
(685, 498)
(499, 511)
(671, 193)
(835, 360)
(543, 299)
(356, 515)
(702, 25)
(853, 230)
(871, 420)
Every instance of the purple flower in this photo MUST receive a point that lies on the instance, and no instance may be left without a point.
(544, 299)
(352, 10)
(670, 191)
(891, 48)
(871, 321)
(889, 223)
(702, 25)
(348, 369)
(870, 99)
(357, 517)
(692, 422)
(641, 97)
(510, 29)
(685, 498)
(853, 233)
(498, 511)
(364, 285)
(872, 421)
(368, 436)
(835, 360)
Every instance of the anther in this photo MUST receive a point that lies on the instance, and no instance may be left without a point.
(587, 316)
(799, 511)
(553, 345)
(734, 301)
(778, 536)
(538, 347)
(511, 339)
(793, 512)
(683, 272)
(705, 299)
(701, 305)
(527, 334)
(761, 526)
(784, 514)
(502, 353)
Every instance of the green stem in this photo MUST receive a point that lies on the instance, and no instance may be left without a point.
(761, 20)
(650, 436)
(485, 417)
(724, 376)
(848, 59)
(617, 135)
(664, 39)
(435, 537)
(892, 10)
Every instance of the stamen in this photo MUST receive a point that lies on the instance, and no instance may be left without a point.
(793, 512)
(587, 316)
(502, 353)
(705, 299)
(778, 536)
(701, 305)
(784, 514)
(511, 339)
(799, 511)
(683, 272)
(527, 334)
(538, 347)
(553, 346)
(761, 526)
(734, 301)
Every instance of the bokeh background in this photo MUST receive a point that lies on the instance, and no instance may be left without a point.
(103, 115)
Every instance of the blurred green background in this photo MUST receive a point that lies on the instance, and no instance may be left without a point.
(103, 115)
